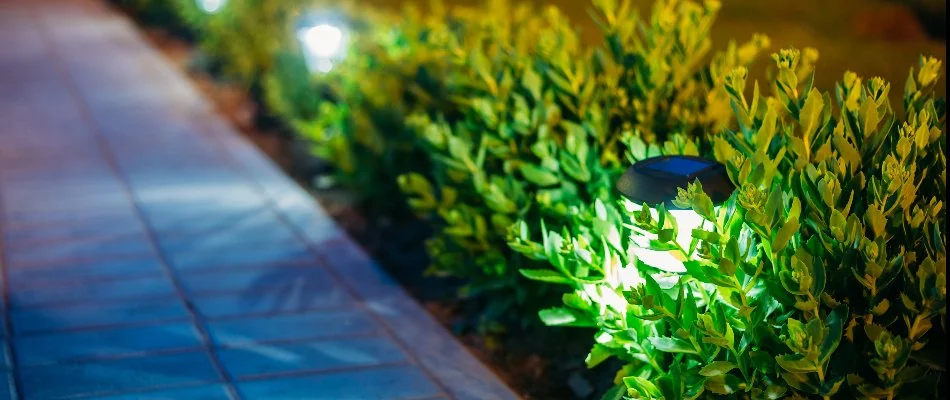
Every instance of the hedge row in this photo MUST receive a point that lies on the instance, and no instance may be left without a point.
(824, 275)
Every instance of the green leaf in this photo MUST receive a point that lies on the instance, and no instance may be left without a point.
(762, 361)
(809, 118)
(875, 220)
(672, 345)
(650, 317)
(617, 392)
(784, 235)
(772, 207)
(870, 120)
(795, 364)
(459, 149)
(818, 271)
(727, 267)
(545, 275)
(687, 314)
(643, 387)
(767, 131)
(665, 235)
(657, 245)
(597, 355)
(573, 167)
(835, 325)
(707, 274)
(559, 316)
(846, 149)
(703, 205)
(671, 384)
(732, 252)
(723, 384)
(538, 176)
(532, 82)
(717, 368)
(758, 222)
(774, 392)
(637, 149)
(711, 237)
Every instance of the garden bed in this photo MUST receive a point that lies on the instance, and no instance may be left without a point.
(506, 142)
(538, 363)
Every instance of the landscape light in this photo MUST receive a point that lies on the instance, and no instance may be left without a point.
(210, 6)
(656, 180)
(322, 43)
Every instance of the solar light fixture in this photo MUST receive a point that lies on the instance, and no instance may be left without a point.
(655, 180)
(210, 6)
(322, 40)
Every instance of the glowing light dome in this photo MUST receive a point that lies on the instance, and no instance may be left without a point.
(323, 41)
(211, 6)
(656, 180)
(686, 221)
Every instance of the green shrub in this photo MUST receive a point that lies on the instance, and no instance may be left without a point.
(245, 36)
(539, 126)
(426, 95)
(824, 275)
(189, 14)
(354, 115)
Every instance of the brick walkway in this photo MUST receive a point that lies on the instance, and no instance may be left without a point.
(150, 252)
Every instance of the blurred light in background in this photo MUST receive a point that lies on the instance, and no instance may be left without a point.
(322, 65)
(210, 6)
(323, 40)
(322, 45)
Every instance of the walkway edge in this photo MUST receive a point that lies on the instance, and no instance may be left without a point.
(438, 351)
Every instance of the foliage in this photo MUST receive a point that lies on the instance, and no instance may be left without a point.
(542, 126)
(824, 275)
(245, 36)
(354, 115)
(190, 15)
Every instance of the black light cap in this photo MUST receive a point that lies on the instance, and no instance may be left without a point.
(656, 180)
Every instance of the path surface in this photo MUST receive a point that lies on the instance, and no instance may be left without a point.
(150, 252)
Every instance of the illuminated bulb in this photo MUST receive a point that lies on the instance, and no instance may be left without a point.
(686, 221)
(323, 65)
(322, 45)
(658, 180)
(322, 41)
(210, 6)
(630, 277)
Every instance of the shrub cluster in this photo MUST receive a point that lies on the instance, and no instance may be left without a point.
(540, 127)
(823, 275)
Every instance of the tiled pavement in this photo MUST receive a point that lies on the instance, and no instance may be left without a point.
(150, 252)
